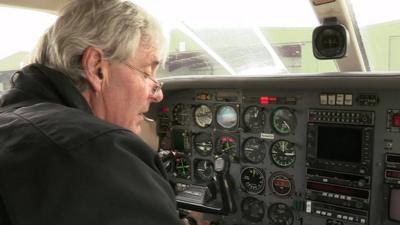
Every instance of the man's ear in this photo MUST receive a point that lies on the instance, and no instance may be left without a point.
(92, 66)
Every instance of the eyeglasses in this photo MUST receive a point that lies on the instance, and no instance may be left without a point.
(158, 84)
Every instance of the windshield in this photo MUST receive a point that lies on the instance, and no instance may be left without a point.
(224, 37)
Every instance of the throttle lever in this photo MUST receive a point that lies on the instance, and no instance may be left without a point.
(222, 165)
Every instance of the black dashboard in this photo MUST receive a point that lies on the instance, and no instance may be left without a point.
(304, 149)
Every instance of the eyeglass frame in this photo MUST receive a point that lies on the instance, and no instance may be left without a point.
(159, 84)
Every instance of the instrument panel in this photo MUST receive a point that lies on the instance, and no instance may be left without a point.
(298, 156)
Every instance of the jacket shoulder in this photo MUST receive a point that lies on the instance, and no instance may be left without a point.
(64, 126)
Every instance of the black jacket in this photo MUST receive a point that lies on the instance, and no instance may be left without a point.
(61, 165)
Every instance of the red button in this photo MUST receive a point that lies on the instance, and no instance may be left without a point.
(264, 100)
(165, 109)
(396, 120)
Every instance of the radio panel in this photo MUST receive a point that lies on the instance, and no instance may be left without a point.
(338, 160)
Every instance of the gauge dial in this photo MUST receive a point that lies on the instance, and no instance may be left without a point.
(283, 153)
(281, 184)
(180, 114)
(252, 180)
(203, 144)
(204, 170)
(253, 118)
(181, 140)
(227, 116)
(182, 167)
(283, 120)
(253, 209)
(254, 150)
(165, 141)
(203, 116)
(280, 214)
(168, 160)
(227, 145)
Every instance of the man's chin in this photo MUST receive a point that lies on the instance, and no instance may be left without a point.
(136, 128)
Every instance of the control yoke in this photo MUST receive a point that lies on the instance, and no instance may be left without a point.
(213, 206)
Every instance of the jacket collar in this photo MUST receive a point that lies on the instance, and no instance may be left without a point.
(41, 83)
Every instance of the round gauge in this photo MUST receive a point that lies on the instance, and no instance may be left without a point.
(281, 184)
(203, 116)
(252, 180)
(227, 116)
(204, 170)
(283, 153)
(227, 145)
(180, 114)
(203, 144)
(165, 142)
(168, 160)
(254, 150)
(283, 120)
(182, 167)
(280, 214)
(253, 118)
(253, 209)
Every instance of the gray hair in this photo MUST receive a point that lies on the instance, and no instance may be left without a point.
(114, 26)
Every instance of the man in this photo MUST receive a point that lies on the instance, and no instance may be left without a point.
(69, 150)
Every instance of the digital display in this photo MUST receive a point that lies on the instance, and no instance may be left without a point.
(394, 205)
(393, 158)
(392, 174)
(339, 143)
(338, 189)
